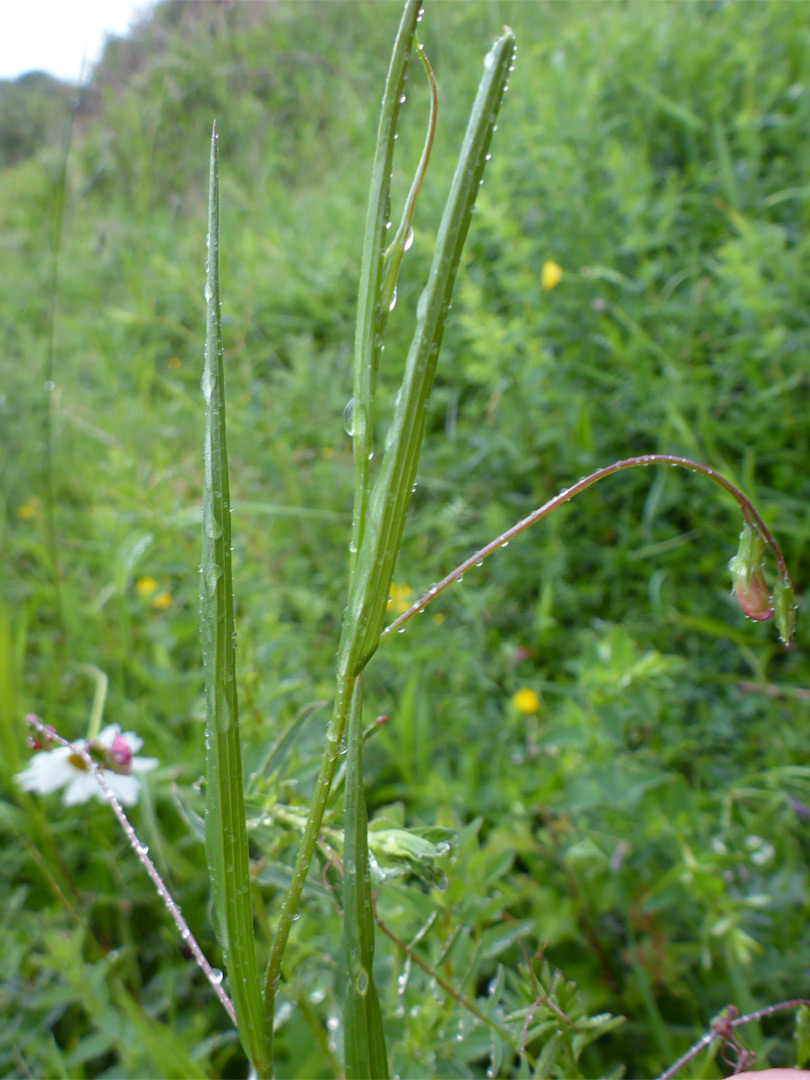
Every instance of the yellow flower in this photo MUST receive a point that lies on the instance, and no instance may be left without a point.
(551, 274)
(162, 600)
(526, 700)
(438, 618)
(28, 509)
(400, 598)
(145, 586)
(175, 362)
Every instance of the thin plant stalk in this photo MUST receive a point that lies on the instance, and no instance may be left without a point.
(364, 1038)
(749, 513)
(723, 1029)
(56, 238)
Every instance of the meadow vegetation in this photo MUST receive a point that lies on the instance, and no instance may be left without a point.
(610, 758)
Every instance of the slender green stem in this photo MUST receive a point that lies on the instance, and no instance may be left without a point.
(57, 232)
(749, 513)
(331, 752)
(364, 1038)
(99, 698)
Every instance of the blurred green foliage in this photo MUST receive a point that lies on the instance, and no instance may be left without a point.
(647, 826)
(33, 112)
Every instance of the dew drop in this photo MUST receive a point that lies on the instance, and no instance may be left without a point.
(348, 417)
(408, 240)
(216, 976)
(393, 303)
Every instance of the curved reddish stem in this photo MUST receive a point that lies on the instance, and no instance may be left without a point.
(749, 514)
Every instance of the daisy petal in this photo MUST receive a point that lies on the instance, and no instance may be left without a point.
(125, 788)
(81, 789)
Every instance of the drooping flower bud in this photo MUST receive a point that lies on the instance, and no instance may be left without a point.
(784, 607)
(747, 569)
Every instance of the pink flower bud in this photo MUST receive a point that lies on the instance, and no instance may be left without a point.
(120, 753)
(747, 569)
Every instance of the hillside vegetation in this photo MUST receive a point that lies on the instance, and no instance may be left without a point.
(644, 818)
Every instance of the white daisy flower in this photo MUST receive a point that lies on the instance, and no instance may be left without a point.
(62, 767)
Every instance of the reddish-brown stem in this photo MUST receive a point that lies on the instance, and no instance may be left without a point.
(721, 1027)
(750, 516)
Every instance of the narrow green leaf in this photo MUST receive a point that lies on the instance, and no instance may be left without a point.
(497, 939)
(225, 834)
(366, 1057)
(391, 494)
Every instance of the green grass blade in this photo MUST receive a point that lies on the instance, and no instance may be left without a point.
(366, 1056)
(225, 834)
(391, 494)
(368, 335)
